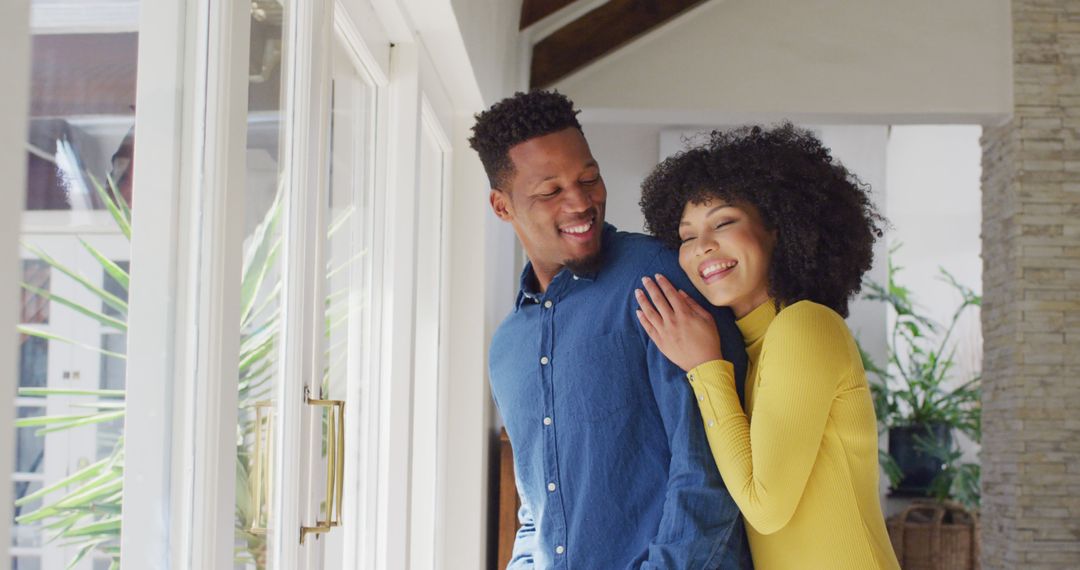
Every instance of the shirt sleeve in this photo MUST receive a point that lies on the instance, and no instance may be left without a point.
(700, 526)
(766, 463)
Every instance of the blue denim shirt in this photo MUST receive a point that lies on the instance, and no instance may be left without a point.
(610, 455)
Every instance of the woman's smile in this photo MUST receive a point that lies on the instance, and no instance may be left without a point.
(726, 250)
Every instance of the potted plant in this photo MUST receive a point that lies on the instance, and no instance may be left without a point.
(921, 403)
(919, 400)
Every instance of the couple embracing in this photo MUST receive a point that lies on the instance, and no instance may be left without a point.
(692, 399)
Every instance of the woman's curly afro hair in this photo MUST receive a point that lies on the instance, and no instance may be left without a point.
(822, 216)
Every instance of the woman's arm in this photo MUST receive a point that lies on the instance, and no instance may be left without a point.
(766, 465)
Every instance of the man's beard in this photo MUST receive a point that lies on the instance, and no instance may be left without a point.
(586, 265)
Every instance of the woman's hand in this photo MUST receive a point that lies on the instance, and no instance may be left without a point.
(682, 329)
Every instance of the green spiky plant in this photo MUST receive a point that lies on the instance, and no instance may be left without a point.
(917, 388)
(84, 508)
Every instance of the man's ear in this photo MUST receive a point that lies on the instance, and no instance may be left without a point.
(500, 204)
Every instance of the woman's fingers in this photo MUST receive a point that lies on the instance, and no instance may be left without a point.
(658, 298)
(694, 306)
(678, 305)
(647, 310)
(648, 326)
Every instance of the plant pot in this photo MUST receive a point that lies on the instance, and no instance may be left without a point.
(918, 468)
(935, 536)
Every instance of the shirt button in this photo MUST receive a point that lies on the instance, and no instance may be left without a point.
(547, 304)
(575, 278)
(551, 487)
(547, 421)
(711, 423)
(559, 549)
(690, 376)
(544, 360)
(701, 398)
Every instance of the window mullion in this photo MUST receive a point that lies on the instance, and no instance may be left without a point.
(14, 68)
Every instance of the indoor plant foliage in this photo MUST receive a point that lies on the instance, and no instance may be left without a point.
(84, 508)
(919, 400)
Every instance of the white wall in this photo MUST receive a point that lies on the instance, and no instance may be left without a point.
(626, 154)
(867, 61)
(934, 205)
(490, 30)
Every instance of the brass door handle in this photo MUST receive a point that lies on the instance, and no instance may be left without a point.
(335, 464)
(261, 467)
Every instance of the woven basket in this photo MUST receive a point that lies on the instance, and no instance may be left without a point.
(934, 536)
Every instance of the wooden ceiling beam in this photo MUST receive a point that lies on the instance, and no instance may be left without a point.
(532, 11)
(598, 33)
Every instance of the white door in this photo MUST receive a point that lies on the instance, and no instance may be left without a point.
(307, 299)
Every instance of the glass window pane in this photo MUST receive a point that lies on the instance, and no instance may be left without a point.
(26, 536)
(25, 563)
(112, 378)
(80, 145)
(113, 369)
(82, 116)
(114, 287)
(29, 446)
(35, 308)
(33, 361)
(261, 286)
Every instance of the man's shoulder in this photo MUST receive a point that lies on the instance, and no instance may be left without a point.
(505, 331)
(632, 250)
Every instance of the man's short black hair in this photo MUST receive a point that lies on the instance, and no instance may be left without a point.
(514, 120)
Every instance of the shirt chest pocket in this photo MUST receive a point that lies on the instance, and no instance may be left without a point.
(602, 378)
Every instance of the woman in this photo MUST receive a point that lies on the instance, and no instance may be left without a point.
(767, 224)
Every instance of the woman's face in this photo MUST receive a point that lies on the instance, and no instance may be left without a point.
(726, 250)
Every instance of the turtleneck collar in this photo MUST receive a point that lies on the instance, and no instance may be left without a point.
(754, 324)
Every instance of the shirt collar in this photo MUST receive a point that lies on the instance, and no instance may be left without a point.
(526, 287)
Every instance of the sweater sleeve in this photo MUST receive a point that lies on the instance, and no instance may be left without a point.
(766, 463)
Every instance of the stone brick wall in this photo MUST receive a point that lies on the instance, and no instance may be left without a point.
(1031, 312)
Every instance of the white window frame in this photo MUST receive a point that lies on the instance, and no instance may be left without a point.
(15, 69)
(357, 27)
(191, 105)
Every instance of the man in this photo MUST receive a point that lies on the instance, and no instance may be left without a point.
(610, 455)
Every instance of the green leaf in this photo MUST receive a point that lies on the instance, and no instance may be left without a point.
(260, 258)
(33, 421)
(32, 392)
(84, 549)
(28, 330)
(122, 220)
(110, 266)
(106, 297)
(125, 208)
(109, 525)
(84, 474)
(102, 318)
(84, 421)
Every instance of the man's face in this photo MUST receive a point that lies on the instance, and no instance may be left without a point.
(555, 201)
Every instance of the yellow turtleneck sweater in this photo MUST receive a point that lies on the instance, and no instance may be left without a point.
(803, 463)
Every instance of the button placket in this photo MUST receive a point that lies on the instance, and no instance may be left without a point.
(556, 510)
